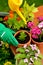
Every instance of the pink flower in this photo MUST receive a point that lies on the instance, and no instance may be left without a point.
(26, 60)
(34, 36)
(33, 47)
(40, 18)
(30, 24)
(31, 60)
(36, 31)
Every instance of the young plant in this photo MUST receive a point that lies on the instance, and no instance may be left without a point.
(22, 36)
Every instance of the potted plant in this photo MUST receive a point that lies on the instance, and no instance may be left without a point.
(28, 55)
(23, 37)
(37, 33)
(37, 37)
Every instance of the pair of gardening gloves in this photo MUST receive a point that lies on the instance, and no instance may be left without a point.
(6, 35)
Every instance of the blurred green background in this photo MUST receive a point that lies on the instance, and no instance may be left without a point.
(4, 4)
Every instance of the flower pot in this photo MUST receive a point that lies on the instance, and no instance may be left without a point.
(38, 14)
(39, 44)
(13, 48)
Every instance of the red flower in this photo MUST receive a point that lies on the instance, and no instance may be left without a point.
(18, 18)
(5, 18)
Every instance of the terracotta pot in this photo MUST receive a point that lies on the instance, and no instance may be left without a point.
(39, 44)
(13, 48)
(38, 14)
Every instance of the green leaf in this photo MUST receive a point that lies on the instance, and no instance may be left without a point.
(40, 56)
(37, 62)
(21, 62)
(20, 56)
(21, 50)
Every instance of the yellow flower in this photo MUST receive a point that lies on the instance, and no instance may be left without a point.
(7, 45)
(7, 63)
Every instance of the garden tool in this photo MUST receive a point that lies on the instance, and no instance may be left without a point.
(2, 15)
(6, 35)
(14, 6)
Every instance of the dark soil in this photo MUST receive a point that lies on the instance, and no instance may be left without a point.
(25, 41)
(27, 29)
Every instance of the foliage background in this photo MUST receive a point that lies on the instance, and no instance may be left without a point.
(4, 4)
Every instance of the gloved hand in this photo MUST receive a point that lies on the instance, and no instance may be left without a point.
(6, 35)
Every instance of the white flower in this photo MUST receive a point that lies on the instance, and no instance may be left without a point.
(40, 25)
(31, 60)
(42, 29)
(35, 58)
(30, 63)
(26, 60)
(38, 51)
(27, 50)
(25, 45)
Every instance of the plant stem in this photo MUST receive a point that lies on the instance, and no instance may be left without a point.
(16, 62)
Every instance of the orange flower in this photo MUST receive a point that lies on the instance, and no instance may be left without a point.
(11, 15)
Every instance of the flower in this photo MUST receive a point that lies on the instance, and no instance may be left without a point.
(36, 54)
(33, 47)
(38, 51)
(40, 25)
(5, 18)
(11, 15)
(7, 63)
(36, 31)
(30, 63)
(35, 58)
(26, 60)
(25, 46)
(27, 50)
(31, 60)
(30, 24)
(34, 36)
(40, 18)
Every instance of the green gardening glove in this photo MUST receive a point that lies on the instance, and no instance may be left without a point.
(6, 35)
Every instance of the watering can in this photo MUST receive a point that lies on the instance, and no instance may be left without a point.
(14, 6)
